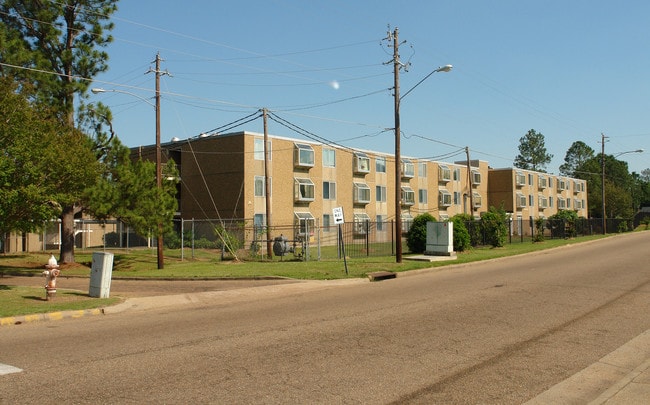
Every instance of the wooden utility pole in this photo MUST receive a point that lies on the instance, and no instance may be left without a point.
(398, 160)
(267, 185)
(159, 240)
(471, 189)
(602, 162)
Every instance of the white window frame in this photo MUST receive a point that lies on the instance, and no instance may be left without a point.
(361, 223)
(258, 149)
(361, 163)
(477, 199)
(358, 191)
(422, 169)
(304, 189)
(303, 155)
(407, 196)
(520, 179)
(521, 200)
(408, 169)
(476, 177)
(300, 219)
(260, 186)
(444, 198)
(444, 174)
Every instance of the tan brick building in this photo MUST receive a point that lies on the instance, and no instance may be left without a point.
(223, 176)
(526, 193)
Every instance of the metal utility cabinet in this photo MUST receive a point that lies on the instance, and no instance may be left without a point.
(100, 275)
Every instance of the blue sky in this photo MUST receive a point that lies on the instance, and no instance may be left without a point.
(570, 69)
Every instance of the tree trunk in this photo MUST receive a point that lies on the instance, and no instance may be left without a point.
(67, 235)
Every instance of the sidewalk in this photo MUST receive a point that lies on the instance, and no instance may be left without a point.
(621, 377)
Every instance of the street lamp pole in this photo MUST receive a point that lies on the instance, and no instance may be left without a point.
(156, 106)
(602, 162)
(397, 65)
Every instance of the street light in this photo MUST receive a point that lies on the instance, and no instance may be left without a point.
(159, 240)
(602, 161)
(398, 164)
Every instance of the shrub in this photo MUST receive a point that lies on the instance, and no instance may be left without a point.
(416, 238)
(495, 228)
(462, 240)
(539, 230)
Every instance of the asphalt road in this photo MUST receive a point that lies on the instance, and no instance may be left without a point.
(496, 332)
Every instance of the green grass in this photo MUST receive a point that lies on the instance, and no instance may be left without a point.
(208, 264)
(18, 300)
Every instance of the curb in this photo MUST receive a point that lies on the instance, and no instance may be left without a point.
(50, 316)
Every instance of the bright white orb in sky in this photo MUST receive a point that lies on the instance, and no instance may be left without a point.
(335, 85)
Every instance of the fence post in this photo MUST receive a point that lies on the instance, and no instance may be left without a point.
(367, 238)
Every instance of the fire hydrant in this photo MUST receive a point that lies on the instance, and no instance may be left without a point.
(51, 274)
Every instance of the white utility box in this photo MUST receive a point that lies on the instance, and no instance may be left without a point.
(101, 272)
(440, 239)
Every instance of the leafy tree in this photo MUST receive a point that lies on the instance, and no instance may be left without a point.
(563, 223)
(44, 164)
(575, 157)
(532, 152)
(56, 46)
(462, 240)
(494, 225)
(416, 238)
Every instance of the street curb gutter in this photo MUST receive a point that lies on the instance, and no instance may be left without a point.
(50, 316)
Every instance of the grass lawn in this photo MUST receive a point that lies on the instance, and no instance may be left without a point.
(141, 263)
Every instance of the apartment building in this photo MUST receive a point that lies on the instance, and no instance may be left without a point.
(526, 193)
(223, 177)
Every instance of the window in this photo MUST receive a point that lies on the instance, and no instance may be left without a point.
(380, 193)
(304, 224)
(476, 177)
(561, 203)
(422, 195)
(520, 179)
(329, 190)
(457, 198)
(408, 170)
(561, 184)
(303, 155)
(361, 223)
(578, 186)
(550, 182)
(456, 174)
(444, 198)
(260, 189)
(304, 190)
(444, 174)
(361, 193)
(531, 200)
(381, 226)
(407, 196)
(329, 157)
(422, 169)
(258, 149)
(327, 222)
(576, 204)
(361, 163)
(521, 200)
(477, 200)
(541, 182)
(530, 179)
(443, 217)
(380, 164)
(550, 202)
(407, 221)
(542, 201)
(259, 220)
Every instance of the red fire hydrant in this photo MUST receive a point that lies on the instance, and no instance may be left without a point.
(51, 274)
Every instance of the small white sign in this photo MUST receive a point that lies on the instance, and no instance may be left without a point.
(338, 215)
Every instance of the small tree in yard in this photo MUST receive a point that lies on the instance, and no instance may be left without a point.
(416, 238)
(494, 224)
(462, 240)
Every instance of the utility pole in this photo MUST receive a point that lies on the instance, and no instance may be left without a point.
(267, 185)
(471, 190)
(398, 160)
(159, 241)
(602, 162)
